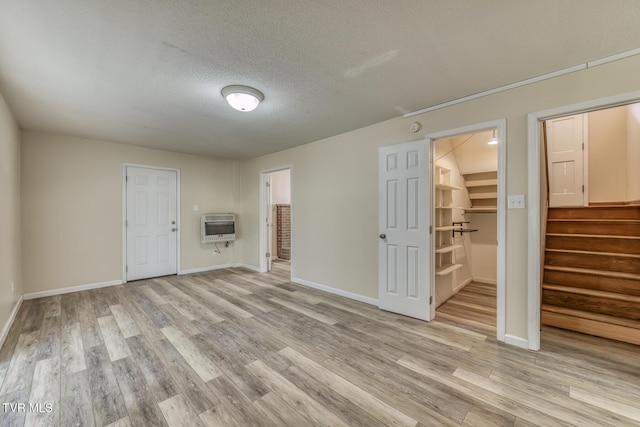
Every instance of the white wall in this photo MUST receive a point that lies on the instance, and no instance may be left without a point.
(10, 263)
(335, 184)
(72, 208)
(474, 155)
(633, 153)
(484, 246)
(608, 155)
(281, 187)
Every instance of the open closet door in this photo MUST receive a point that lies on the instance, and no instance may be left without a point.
(404, 220)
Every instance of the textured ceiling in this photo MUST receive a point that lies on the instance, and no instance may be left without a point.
(149, 72)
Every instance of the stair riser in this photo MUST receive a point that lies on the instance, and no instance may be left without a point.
(615, 332)
(595, 227)
(593, 304)
(600, 244)
(589, 281)
(626, 212)
(594, 262)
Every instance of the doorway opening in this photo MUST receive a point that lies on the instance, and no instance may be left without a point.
(417, 234)
(465, 255)
(590, 237)
(276, 221)
(537, 191)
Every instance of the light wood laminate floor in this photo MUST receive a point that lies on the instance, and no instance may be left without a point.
(473, 307)
(237, 348)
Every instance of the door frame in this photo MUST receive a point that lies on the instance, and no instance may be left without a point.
(534, 237)
(500, 125)
(124, 214)
(263, 213)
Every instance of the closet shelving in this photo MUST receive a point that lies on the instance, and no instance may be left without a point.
(444, 243)
(483, 191)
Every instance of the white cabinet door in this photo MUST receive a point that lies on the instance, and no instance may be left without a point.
(151, 222)
(404, 220)
(565, 142)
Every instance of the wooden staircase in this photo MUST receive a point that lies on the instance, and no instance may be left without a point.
(592, 271)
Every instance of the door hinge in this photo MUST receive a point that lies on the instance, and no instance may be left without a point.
(583, 145)
(431, 229)
(431, 300)
(583, 188)
(268, 184)
(126, 178)
(268, 255)
(126, 268)
(126, 222)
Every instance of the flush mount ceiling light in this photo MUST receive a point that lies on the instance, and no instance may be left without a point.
(242, 98)
(493, 140)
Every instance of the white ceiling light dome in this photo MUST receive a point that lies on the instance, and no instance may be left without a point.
(242, 98)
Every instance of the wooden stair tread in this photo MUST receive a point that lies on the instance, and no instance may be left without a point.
(629, 334)
(603, 318)
(593, 236)
(594, 207)
(591, 278)
(605, 220)
(614, 274)
(573, 251)
(591, 292)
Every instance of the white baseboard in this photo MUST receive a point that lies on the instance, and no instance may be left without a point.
(462, 285)
(335, 291)
(201, 269)
(516, 341)
(248, 267)
(218, 267)
(70, 289)
(485, 280)
(12, 317)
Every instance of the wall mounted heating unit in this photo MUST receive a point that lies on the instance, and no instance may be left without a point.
(218, 227)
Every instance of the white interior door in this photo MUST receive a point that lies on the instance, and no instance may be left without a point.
(268, 251)
(565, 148)
(404, 220)
(151, 222)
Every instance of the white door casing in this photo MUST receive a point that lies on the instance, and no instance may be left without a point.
(404, 220)
(565, 148)
(151, 222)
(268, 251)
(537, 197)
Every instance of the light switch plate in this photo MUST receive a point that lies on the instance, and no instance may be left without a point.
(516, 201)
(195, 208)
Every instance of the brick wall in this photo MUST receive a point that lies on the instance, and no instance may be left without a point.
(283, 231)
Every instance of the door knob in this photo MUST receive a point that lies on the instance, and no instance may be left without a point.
(383, 236)
(173, 229)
